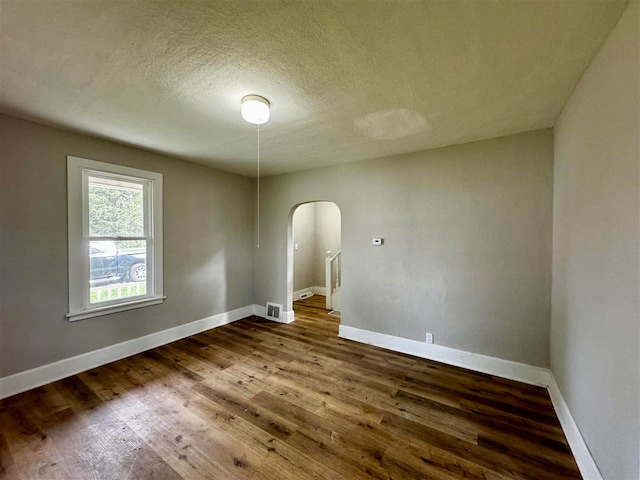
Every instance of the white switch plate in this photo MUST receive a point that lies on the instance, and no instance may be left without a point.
(429, 338)
(295, 246)
(377, 241)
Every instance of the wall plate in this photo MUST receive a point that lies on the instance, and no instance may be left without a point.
(273, 311)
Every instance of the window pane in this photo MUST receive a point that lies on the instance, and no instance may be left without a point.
(118, 270)
(116, 208)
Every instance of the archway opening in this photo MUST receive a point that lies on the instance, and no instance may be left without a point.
(314, 260)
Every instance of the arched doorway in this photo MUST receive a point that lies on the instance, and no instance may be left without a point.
(314, 255)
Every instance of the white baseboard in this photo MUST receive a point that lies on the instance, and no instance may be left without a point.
(286, 316)
(581, 453)
(473, 361)
(493, 366)
(298, 293)
(259, 310)
(320, 290)
(23, 381)
(315, 290)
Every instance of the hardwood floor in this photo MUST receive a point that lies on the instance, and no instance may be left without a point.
(261, 400)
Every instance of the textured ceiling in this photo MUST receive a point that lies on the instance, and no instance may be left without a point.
(348, 80)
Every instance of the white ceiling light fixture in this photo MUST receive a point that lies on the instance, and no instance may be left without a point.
(255, 109)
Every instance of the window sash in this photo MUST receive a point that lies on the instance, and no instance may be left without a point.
(149, 282)
(147, 207)
(147, 195)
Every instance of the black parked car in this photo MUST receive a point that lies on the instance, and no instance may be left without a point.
(109, 263)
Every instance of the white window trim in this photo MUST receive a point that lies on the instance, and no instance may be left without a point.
(77, 200)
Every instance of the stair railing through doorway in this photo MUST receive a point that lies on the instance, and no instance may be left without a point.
(333, 265)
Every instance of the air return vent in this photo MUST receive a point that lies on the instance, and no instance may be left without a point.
(273, 311)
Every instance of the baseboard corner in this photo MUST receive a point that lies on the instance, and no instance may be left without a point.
(586, 463)
(288, 316)
(320, 290)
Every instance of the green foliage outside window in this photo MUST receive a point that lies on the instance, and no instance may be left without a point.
(116, 211)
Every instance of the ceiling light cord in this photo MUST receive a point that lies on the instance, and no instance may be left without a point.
(258, 245)
(255, 109)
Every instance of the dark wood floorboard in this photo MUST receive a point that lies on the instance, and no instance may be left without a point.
(261, 400)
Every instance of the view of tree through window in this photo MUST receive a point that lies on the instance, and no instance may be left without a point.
(115, 211)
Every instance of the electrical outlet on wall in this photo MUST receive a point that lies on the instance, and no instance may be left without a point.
(429, 338)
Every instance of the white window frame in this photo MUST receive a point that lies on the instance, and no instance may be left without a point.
(78, 171)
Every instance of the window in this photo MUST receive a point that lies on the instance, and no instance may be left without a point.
(115, 238)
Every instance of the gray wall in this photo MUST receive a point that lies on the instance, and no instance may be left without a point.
(208, 225)
(467, 251)
(304, 234)
(595, 314)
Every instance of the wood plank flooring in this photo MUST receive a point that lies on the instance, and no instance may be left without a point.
(261, 400)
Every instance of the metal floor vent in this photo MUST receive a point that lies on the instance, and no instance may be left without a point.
(306, 295)
(273, 311)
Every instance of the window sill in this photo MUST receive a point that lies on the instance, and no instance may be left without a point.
(99, 311)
